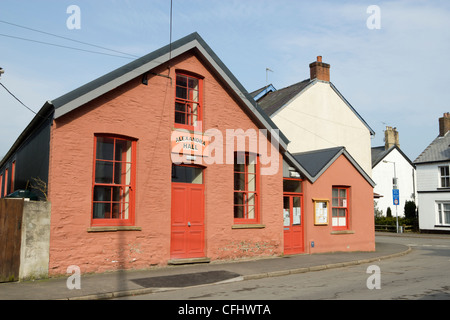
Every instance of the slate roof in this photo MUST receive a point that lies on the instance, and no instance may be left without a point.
(316, 162)
(379, 153)
(275, 101)
(437, 151)
(139, 67)
(76, 98)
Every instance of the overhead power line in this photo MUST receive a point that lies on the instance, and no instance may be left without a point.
(61, 46)
(65, 38)
(17, 98)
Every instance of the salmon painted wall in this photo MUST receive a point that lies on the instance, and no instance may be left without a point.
(361, 222)
(146, 113)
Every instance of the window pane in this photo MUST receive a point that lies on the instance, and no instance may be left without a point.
(103, 172)
(102, 210)
(239, 212)
(102, 194)
(194, 108)
(292, 186)
(251, 182)
(335, 193)
(251, 164)
(296, 208)
(184, 174)
(251, 199)
(122, 173)
(123, 150)
(181, 80)
(239, 167)
(334, 212)
(105, 148)
(343, 193)
(181, 93)
(239, 181)
(286, 212)
(251, 212)
(240, 159)
(335, 202)
(193, 95)
(239, 198)
(180, 118)
(180, 107)
(193, 83)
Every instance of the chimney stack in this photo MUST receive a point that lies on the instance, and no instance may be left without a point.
(444, 124)
(319, 70)
(391, 138)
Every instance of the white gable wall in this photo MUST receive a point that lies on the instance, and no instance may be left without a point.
(318, 118)
(383, 173)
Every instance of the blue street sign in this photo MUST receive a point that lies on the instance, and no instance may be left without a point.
(396, 196)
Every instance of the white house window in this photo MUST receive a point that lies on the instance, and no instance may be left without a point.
(444, 176)
(443, 217)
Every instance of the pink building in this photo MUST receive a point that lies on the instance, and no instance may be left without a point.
(169, 160)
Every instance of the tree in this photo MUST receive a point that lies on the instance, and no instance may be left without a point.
(410, 210)
(411, 215)
(389, 212)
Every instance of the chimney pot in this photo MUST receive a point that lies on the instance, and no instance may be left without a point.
(391, 138)
(444, 124)
(319, 70)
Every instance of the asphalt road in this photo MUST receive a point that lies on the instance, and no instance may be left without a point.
(423, 274)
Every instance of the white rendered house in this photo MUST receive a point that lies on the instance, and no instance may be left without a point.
(433, 181)
(389, 163)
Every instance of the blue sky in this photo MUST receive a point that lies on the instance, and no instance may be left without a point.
(397, 75)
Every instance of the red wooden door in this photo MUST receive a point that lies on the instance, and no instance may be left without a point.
(188, 234)
(293, 224)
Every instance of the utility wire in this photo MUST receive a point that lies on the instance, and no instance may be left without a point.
(61, 46)
(17, 98)
(65, 38)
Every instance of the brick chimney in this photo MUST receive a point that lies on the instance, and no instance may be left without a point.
(319, 70)
(391, 138)
(444, 124)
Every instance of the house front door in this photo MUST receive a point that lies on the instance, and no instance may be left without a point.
(293, 224)
(187, 221)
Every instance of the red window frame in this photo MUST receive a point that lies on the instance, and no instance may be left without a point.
(5, 186)
(338, 205)
(13, 173)
(114, 179)
(246, 202)
(188, 101)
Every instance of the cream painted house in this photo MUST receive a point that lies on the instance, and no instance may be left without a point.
(314, 115)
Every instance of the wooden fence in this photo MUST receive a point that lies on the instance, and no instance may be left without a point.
(11, 212)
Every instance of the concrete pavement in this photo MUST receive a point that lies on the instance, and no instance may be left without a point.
(127, 283)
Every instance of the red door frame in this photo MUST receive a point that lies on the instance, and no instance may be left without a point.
(290, 246)
(187, 227)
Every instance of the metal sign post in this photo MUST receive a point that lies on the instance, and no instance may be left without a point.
(396, 200)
